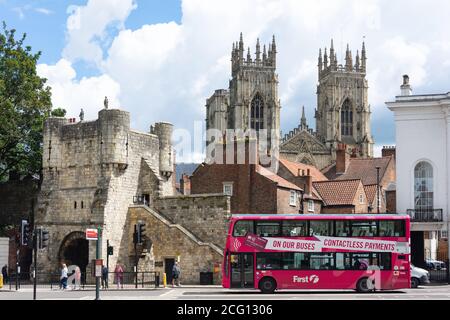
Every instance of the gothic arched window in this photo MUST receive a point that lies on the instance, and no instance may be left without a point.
(257, 113)
(423, 187)
(347, 119)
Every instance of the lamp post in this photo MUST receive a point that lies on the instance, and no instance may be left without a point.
(378, 190)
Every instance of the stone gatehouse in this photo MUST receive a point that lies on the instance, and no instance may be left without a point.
(94, 172)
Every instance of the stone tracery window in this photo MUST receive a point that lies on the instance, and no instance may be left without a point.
(257, 113)
(347, 119)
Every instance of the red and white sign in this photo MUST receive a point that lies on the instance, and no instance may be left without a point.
(254, 241)
(91, 234)
(280, 244)
(347, 244)
(98, 267)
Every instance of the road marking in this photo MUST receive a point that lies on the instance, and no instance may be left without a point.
(166, 293)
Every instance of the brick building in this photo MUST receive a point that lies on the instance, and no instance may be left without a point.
(342, 196)
(347, 167)
(303, 176)
(253, 188)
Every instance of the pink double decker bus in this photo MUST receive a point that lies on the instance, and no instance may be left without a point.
(277, 252)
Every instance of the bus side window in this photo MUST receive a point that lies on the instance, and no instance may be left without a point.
(268, 228)
(241, 228)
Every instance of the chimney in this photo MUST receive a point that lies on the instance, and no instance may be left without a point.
(246, 151)
(185, 185)
(303, 180)
(405, 88)
(308, 182)
(342, 159)
(388, 151)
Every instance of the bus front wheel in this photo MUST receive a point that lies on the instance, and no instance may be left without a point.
(362, 286)
(267, 285)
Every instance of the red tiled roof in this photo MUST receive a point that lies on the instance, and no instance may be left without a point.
(364, 169)
(276, 178)
(337, 192)
(293, 167)
(371, 192)
(313, 196)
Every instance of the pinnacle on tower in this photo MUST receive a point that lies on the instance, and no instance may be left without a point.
(363, 58)
(325, 59)
(258, 51)
(274, 52)
(333, 61)
(264, 54)
(249, 57)
(241, 48)
(320, 65)
(303, 124)
(357, 64)
(348, 59)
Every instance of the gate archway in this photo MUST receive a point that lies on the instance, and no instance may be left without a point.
(74, 250)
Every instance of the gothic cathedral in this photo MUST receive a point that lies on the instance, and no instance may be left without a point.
(342, 114)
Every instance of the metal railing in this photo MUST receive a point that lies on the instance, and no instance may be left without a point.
(141, 200)
(432, 215)
(52, 281)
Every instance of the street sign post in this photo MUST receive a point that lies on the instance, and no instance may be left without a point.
(97, 257)
(94, 235)
(98, 267)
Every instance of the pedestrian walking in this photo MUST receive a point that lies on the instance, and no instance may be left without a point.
(118, 274)
(5, 273)
(176, 272)
(104, 277)
(77, 278)
(64, 276)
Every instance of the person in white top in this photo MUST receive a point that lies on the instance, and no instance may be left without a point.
(64, 276)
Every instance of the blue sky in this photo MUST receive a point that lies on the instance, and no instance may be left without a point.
(160, 60)
(45, 21)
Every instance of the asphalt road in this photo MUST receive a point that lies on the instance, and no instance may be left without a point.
(218, 293)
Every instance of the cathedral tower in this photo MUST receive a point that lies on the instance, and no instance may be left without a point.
(252, 99)
(343, 111)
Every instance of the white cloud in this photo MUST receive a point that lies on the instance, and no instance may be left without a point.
(166, 71)
(44, 11)
(87, 27)
(72, 95)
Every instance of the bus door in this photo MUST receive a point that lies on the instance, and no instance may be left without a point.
(242, 274)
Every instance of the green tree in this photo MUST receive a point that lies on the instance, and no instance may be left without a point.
(25, 102)
(58, 112)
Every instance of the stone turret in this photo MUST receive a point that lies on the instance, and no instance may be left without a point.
(114, 127)
(52, 148)
(166, 153)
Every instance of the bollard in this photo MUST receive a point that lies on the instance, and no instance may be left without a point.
(164, 279)
(1, 281)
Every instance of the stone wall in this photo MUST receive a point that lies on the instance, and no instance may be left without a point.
(207, 215)
(173, 241)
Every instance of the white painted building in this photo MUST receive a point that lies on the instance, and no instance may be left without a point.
(423, 166)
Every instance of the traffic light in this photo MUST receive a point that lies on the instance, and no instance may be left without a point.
(110, 250)
(25, 233)
(43, 238)
(140, 232)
